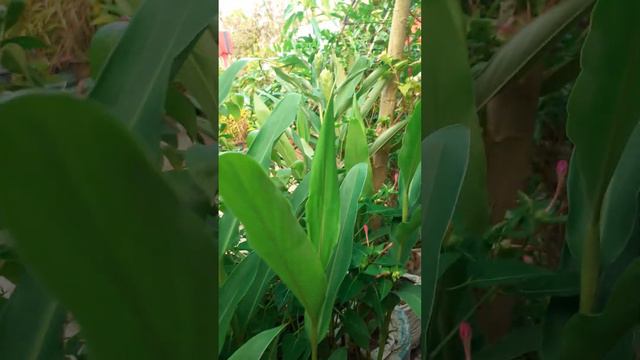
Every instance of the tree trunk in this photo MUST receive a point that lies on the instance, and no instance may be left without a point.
(508, 139)
(388, 97)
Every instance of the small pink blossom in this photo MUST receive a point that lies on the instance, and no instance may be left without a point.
(366, 233)
(527, 259)
(562, 167)
(465, 335)
(395, 181)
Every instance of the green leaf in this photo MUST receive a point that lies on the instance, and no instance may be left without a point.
(133, 83)
(111, 230)
(323, 205)
(485, 272)
(256, 346)
(356, 328)
(450, 100)
(102, 44)
(14, 12)
(412, 295)
(386, 136)
(227, 77)
(280, 119)
(416, 186)
(293, 257)
(198, 74)
(180, 109)
(232, 292)
(409, 155)
(514, 345)
(527, 46)
(31, 323)
(340, 354)
(252, 301)
(603, 111)
(228, 232)
(25, 42)
(355, 149)
(445, 156)
(350, 191)
(620, 204)
(346, 91)
(202, 161)
(591, 337)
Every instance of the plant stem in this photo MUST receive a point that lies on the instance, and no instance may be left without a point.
(384, 333)
(405, 205)
(314, 342)
(590, 269)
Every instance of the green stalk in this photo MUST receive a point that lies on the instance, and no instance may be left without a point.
(590, 269)
(405, 204)
(314, 341)
(384, 333)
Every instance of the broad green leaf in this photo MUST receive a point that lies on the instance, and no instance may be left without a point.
(25, 42)
(445, 155)
(266, 217)
(527, 46)
(198, 74)
(405, 235)
(386, 136)
(356, 328)
(514, 345)
(256, 346)
(323, 205)
(14, 59)
(228, 232)
(280, 119)
(14, 12)
(416, 186)
(226, 79)
(620, 204)
(485, 272)
(350, 192)
(31, 323)
(300, 194)
(232, 292)
(591, 337)
(111, 230)
(345, 92)
(133, 82)
(180, 109)
(102, 44)
(603, 111)
(302, 125)
(449, 100)
(202, 162)
(412, 295)
(340, 354)
(356, 150)
(558, 312)
(409, 155)
(252, 301)
(260, 109)
(367, 102)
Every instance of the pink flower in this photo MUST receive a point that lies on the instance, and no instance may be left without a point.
(465, 335)
(527, 259)
(366, 233)
(561, 168)
(395, 181)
